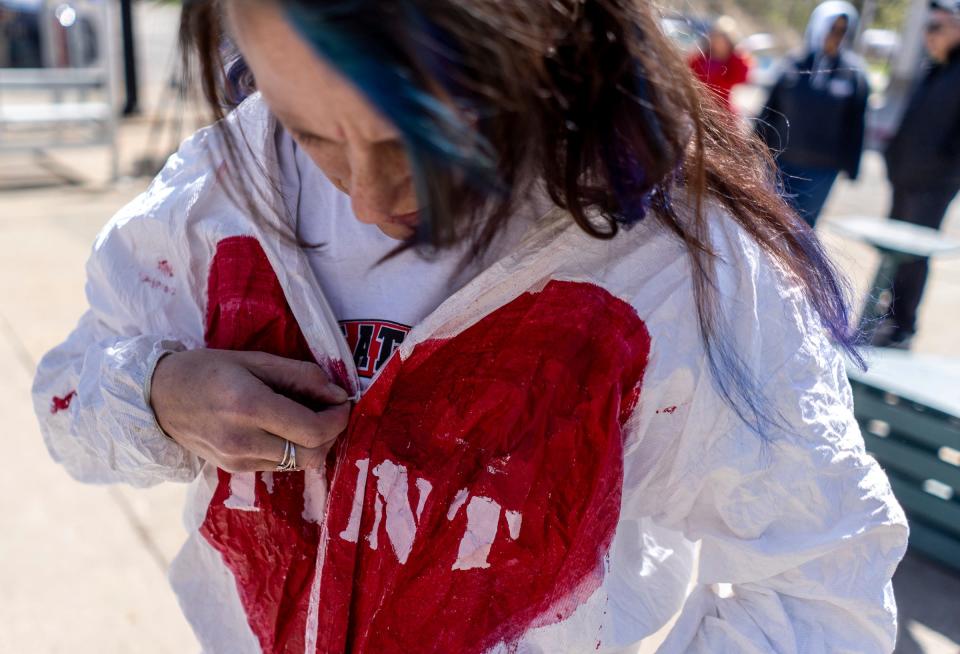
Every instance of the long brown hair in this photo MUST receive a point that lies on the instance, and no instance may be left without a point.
(588, 97)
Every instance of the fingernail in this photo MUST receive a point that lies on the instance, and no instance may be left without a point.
(337, 394)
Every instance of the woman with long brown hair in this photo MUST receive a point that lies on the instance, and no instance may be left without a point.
(475, 328)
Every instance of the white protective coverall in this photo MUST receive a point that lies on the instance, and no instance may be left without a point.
(545, 465)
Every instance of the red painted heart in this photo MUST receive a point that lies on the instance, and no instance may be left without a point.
(478, 486)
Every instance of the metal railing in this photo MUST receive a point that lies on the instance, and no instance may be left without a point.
(73, 105)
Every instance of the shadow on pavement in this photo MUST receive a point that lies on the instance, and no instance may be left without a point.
(928, 594)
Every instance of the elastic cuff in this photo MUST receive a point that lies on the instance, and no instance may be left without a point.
(160, 350)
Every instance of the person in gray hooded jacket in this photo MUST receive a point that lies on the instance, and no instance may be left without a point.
(814, 118)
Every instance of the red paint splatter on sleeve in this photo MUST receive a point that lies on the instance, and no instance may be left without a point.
(165, 268)
(475, 494)
(157, 285)
(670, 410)
(58, 404)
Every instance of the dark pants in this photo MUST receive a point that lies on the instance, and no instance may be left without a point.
(806, 188)
(922, 207)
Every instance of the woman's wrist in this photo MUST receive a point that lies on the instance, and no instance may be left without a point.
(160, 351)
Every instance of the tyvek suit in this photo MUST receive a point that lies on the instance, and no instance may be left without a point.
(545, 465)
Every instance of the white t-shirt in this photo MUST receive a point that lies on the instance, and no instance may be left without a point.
(375, 304)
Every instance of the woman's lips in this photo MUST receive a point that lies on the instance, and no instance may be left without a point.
(406, 219)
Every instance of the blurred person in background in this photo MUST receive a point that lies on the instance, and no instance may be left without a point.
(815, 115)
(923, 163)
(717, 63)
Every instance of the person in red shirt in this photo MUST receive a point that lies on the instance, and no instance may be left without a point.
(718, 64)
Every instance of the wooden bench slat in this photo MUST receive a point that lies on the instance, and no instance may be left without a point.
(939, 512)
(12, 79)
(932, 381)
(912, 462)
(67, 112)
(930, 428)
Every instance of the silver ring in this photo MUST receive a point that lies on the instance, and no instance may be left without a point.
(289, 460)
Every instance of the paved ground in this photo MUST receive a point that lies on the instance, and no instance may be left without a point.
(83, 568)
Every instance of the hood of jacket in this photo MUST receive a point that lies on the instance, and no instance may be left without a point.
(822, 20)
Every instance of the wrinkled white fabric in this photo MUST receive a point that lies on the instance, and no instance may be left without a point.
(726, 542)
(107, 374)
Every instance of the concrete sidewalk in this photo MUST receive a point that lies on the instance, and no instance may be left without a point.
(82, 568)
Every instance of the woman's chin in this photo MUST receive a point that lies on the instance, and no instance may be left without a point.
(396, 231)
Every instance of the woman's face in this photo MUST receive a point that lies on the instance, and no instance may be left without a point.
(942, 34)
(835, 36)
(720, 46)
(356, 147)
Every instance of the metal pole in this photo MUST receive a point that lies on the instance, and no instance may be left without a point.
(906, 67)
(129, 59)
(867, 14)
(109, 64)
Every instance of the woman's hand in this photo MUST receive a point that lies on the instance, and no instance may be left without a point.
(235, 409)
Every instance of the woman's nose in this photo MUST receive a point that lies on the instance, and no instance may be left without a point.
(376, 187)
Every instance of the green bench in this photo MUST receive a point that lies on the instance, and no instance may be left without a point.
(896, 242)
(908, 407)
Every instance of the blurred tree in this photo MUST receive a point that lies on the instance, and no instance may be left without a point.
(891, 13)
(794, 13)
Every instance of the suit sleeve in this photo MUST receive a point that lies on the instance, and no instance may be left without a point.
(952, 141)
(797, 528)
(89, 392)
